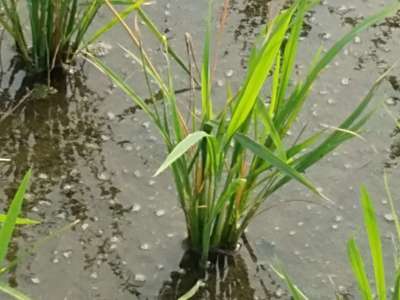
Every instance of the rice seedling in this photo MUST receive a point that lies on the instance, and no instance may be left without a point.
(57, 28)
(226, 163)
(9, 221)
(380, 290)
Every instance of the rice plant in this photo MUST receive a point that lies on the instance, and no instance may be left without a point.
(57, 28)
(380, 289)
(226, 163)
(9, 221)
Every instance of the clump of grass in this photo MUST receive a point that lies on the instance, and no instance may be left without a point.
(57, 28)
(9, 222)
(226, 163)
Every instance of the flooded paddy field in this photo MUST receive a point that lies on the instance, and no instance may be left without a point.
(93, 157)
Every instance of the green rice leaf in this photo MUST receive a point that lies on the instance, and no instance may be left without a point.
(161, 38)
(396, 294)
(295, 292)
(12, 215)
(20, 221)
(358, 268)
(122, 84)
(126, 12)
(297, 99)
(353, 122)
(206, 71)
(181, 149)
(269, 157)
(289, 57)
(258, 75)
(13, 292)
(375, 245)
(392, 207)
(271, 130)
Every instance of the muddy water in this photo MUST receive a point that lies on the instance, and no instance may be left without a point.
(93, 158)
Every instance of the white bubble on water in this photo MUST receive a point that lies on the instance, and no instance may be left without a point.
(35, 280)
(160, 213)
(140, 277)
(345, 81)
(136, 207)
(145, 247)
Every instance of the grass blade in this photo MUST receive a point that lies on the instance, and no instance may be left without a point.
(375, 245)
(12, 215)
(161, 38)
(258, 75)
(358, 268)
(113, 22)
(296, 100)
(13, 292)
(392, 207)
(269, 157)
(20, 221)
(181, 149)
(206, 70)
(295, 292)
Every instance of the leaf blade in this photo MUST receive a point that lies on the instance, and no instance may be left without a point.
(357, 265)
(375, 244)
(12, 215)
(266, 155)
(181, 149)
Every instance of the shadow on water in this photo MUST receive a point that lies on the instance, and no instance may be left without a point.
(49, 131)
(227, 278)
(254, 13)
(59, 135)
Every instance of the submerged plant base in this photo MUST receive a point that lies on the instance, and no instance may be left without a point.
(226, 277)
(213, 254)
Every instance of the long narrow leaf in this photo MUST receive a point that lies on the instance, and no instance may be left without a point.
(12, 215)
(295, 292)
(113, 22)
(181, 149)
(13, 292)
(206, 72)
(20, 221)
(266, 155)
(358, 268)
(258, 76)
(375, 244)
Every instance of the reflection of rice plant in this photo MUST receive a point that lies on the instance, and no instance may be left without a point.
(381, 290)
(226, 163)
(9, 221)
(57, 28)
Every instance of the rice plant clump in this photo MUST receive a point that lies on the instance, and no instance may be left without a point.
(226, 163)
(57, 28)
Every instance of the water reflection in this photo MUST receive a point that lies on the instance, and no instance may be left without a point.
(60, 136)
(254, 13)
(227, 278)
(48, 132)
